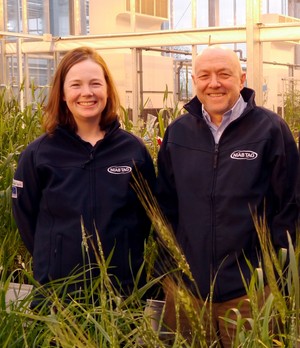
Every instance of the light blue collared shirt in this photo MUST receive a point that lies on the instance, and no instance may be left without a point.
(228, 117)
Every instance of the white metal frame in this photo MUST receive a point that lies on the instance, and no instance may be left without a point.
(254, 33)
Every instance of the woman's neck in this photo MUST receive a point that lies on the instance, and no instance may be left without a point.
(91, 134)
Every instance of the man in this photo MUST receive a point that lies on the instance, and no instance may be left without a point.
(218, 164)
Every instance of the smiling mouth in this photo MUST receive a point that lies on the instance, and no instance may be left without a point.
(87, 103)
(216, 94)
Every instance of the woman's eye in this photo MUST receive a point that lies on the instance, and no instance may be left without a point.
(96, 83)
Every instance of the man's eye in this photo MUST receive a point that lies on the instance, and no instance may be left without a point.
(224, 75)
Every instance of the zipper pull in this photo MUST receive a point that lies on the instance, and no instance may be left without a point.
(216, 154)
(91, 158)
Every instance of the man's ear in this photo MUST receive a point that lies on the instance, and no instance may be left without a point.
(243, 79)
(193, 78)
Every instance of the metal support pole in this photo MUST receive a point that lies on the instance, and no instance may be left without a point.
(140, 76)
(213, 13)
(134, 61)
(3, 66)
(75, 17)
(21, 65)
(135, 83)
(254, 49)
(132, 15)
(24, 17)
(194, 47)
(20, 71)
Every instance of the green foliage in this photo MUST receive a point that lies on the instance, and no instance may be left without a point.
(292, 108)
(100, 316)
(17, 128)
(95, 316)
(275, 314)
(152, 129)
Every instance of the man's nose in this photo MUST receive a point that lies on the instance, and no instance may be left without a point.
(214, 81)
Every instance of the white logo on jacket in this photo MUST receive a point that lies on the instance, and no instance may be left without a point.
(244, 155)
(119, 169)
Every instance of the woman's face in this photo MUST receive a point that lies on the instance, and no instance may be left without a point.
(85, 92)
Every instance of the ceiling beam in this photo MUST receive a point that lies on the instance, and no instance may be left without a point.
(205, 36)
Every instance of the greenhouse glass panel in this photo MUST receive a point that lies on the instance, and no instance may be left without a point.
(35, 17)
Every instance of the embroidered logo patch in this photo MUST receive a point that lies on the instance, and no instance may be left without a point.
(17, 183)
(14, 189)
(119, 169)
(244, 155)
(14, 192)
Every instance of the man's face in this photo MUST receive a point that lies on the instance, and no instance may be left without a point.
(218, 80)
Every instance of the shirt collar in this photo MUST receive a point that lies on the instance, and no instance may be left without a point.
(231, 114)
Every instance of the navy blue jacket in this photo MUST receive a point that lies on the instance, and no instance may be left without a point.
(207, 190)
(60, 180)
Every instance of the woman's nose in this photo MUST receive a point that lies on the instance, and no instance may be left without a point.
(86, 90)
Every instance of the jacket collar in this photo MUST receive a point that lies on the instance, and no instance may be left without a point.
(111, 128)
(194, 106)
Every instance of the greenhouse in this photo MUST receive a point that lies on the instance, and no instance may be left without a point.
(151, 48)
(140, 44)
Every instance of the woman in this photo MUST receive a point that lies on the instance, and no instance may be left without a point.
(74, 182)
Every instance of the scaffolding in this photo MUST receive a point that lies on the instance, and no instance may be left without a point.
(18, 49)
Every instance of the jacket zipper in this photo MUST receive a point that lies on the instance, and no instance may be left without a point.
(213, 222)
(91, 158)
(216, 154)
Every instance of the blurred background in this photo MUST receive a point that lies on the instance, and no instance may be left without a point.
(150, 45)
